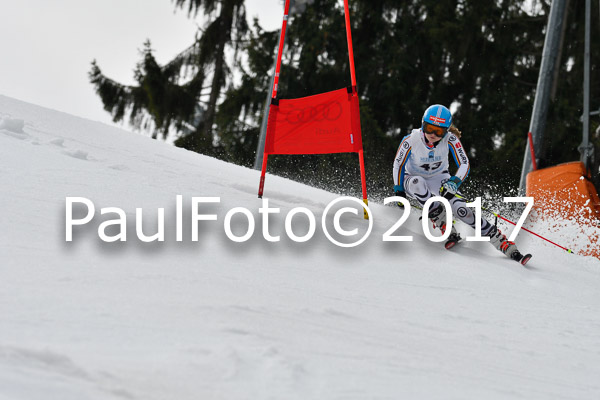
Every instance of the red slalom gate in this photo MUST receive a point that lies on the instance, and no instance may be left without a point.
(320, 124)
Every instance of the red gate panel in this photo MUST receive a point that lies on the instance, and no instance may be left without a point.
(323, 123)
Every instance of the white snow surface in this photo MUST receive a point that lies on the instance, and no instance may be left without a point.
(215, 319)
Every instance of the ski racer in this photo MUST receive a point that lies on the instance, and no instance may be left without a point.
(421, 172)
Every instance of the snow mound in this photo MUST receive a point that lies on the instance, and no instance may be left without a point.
(12, 125)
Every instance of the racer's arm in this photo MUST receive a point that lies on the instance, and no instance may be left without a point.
(400, 164)
(460, 157)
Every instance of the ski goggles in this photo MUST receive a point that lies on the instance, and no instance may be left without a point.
(434, 130)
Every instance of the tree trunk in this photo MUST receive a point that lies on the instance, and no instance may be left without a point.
(205, 128)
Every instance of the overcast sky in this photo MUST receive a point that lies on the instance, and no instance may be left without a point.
(46, 46)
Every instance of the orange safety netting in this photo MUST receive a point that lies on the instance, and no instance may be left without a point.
(565, 191)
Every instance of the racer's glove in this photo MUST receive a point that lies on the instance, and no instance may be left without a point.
(399, 191)
(450, 187)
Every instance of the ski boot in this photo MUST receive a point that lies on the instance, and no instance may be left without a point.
(453, 239)
(500, 242)
(438, 218)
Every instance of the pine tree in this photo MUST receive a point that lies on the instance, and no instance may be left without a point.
(157, 94)
(160, 93)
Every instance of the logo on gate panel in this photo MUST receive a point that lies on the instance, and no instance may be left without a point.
(332, 131)
(330, 111)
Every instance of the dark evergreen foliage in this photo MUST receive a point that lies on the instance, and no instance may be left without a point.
(157, 94)
(564, 131)
(160, 93)
(481, 57)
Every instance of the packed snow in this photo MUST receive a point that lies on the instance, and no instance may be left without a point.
(217, 319)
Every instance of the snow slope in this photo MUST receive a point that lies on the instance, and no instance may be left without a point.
(215, 319)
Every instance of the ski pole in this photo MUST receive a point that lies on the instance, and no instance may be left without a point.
(525, 229)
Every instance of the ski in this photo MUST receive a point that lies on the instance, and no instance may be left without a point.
(522, 259)
(525, 259)
(452, 241)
